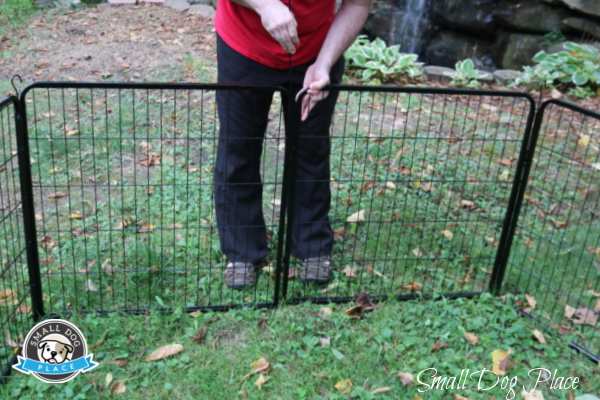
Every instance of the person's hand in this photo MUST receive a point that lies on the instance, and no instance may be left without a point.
(281, 24)
(315, 79)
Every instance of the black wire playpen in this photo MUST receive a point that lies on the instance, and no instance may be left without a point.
(106, 201)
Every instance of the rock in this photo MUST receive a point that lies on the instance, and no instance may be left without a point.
(121, 2)
(400, 22)
(179, 5)
(505, 76)
(202, 10)
(582, 26)
(485, 76)
(447, 47)
(526, 16)
(439, 73)
(520, 49)
(589, 7)
(471, 16)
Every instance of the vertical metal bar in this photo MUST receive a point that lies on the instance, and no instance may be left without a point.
(281, 234)
(33, 262)
(513, 210)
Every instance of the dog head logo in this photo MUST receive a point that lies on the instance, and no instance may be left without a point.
(55, 351)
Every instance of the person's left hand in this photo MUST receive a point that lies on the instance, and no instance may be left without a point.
(315, 79)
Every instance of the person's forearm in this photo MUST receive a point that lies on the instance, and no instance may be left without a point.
(254, 4)
(347, 24)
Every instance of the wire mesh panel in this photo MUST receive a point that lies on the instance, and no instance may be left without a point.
(420, 183)
(555, 256)
(15, 308)
(123, 187)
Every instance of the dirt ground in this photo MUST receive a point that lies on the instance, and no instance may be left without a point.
(144, 42)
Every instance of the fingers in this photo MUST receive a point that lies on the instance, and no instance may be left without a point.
(309, 102)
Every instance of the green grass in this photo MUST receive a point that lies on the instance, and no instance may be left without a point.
(13, 13)
(396, 337)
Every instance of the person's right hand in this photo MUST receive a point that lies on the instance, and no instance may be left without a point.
(281, 24)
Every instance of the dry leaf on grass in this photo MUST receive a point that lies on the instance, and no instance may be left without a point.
(533, 395)
(200, 335)
(164, 352)
(357, 217)
(472, 338)
(581, 316)
(260, 381)
(325, 312)
(381, 390)
(500, 362)
(439, 345)
(56, 195)
(325, 341)
(531, 302)
(467, 204)
(118, 388)
(539, 336)
(406, 378)
(459, 397)
(350, 272)
(344, 386)
(108, 379)
(447, 234)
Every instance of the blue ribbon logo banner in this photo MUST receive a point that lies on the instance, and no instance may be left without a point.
(82, 364)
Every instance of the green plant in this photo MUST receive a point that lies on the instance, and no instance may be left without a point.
(14, 12)
(576, 66)
(374, 61)
(466, 75)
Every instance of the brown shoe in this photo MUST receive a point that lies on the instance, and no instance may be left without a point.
(316, 269)
(240, 275)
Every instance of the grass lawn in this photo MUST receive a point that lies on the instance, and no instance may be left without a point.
(310, 349)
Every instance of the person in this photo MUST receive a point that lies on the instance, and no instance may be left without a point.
(273, 43)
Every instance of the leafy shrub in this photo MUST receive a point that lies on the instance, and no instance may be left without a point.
(374, 61)
(466, 75)
(576, 67)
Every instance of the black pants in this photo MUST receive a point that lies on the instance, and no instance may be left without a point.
(243, 118)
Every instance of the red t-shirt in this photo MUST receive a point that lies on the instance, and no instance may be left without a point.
(241, 28)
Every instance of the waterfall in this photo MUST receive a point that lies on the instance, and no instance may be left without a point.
(412, 25)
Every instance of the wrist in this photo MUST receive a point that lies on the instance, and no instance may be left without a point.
(323, 63)
(260, 6)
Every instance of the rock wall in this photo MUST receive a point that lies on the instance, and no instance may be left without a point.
(494, 33)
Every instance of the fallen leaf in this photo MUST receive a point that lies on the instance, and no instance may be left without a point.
(447, 234)
(597, 306)
(364, 301)
(354, 312)
(472, 338)
(584, 140)
(260, 365)
(118, 388)
(107, 267)
(539, 336)
(507, 162)
(531, 301)
(581, 316)
(439, 345)
(200, 335)
(467, 204)
(6, 295)
(108, 379)
(350, 272)
(459, 397)
(260, 381)
(500, 360)
(381, 390)
(325, 341)
(164, 352)
(325, 312)
(145, 228)
(48, 243)
(344, 386)
(417, 252)
(76, 215)
(356, 217)
(413, 286)
(56, 195)
(339, 233)
(406, 378)
(533, 395)
(120, 362)
(390, 185)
